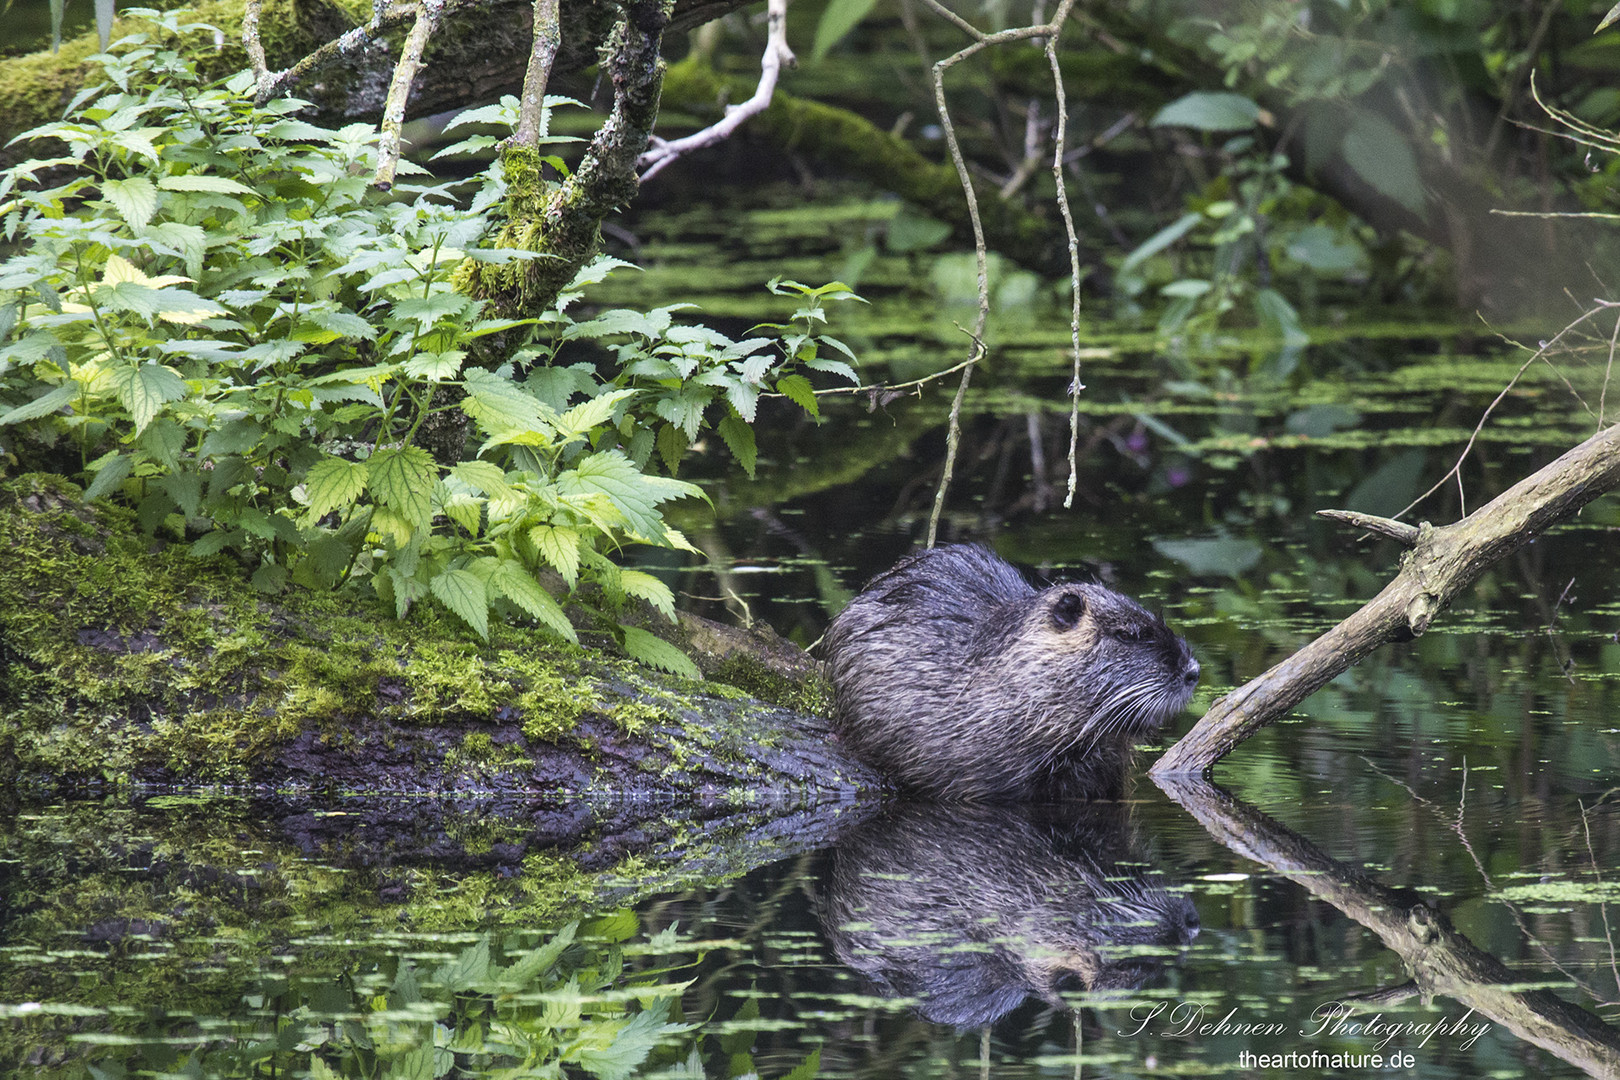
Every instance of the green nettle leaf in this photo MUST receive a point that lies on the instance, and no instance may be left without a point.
(643, 585)
(43, 405)
(143, 390)
(559, 546)
(672, 445)
(185, 488)
(1377, 150)
(485, 476)
(113, 472)
(135, 199)
(464, 594)
(739, 439)
(656, 652)
(1208, 111)
(589, 414)
(197, 182)
(334, 483)
(499, 405)
(435, 366)
(632, 492)
(513, 581)
(798, 390)
(402, 478)
(839, 18)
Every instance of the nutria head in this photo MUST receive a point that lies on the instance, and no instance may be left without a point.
(958, 679)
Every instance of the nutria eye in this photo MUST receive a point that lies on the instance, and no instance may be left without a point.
(1135, 635)
(1068, 609)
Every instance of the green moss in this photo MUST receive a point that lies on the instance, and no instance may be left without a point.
(632, 716)
(808, 695)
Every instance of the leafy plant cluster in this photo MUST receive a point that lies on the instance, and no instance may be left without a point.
(1248, 225)
(577, 1003)
(212, 315)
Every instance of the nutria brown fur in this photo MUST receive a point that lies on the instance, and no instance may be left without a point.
(959, 680)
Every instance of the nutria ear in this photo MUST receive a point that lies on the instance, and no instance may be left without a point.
(1067, 609)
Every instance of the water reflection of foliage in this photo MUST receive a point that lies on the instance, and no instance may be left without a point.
(576, 1002)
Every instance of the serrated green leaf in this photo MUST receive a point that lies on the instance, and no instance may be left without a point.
(589, 414)
(499, 405)
(559, 546)
(632, 492)
(402, 479)
(643, 585)
(464, 594)
(334, 483)
(185, 488)
(435, 366)
(672, 445)
(515, 583)
(43, 405)
(143, 390)
(270, 578)
(484, 476)
(797, 389)
(112, 473)
(199, 182)
(658, 653)
(135, 199)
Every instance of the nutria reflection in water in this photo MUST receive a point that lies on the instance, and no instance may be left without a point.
(972, 910)
(959, 680)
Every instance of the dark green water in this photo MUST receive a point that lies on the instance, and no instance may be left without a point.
(1473, 770)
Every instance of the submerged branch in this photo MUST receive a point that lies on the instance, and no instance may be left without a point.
(1443, 562)
(1441, 960)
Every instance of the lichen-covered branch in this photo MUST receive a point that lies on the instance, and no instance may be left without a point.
(1442, 562)
(255, 47)
(399, 90)
(777, 55)
(532, 105)
(562, 223)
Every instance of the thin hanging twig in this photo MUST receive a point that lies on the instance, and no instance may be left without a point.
(981, 41)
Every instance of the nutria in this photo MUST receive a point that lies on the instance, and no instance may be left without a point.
(959, 680)
(971, 910)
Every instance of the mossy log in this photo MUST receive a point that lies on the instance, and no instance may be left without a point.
(124, 660)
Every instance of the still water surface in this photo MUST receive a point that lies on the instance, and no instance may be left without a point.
(1472, 772)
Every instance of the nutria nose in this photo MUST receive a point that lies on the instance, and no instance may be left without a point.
(1190, 675)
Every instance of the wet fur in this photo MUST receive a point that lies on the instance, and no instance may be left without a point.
(960, 680)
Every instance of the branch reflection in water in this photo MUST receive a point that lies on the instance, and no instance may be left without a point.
(971, 910)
